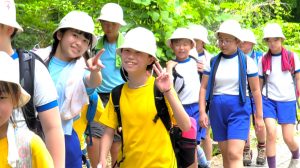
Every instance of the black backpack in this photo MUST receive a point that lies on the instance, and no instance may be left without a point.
(184, 148)
(27, 68)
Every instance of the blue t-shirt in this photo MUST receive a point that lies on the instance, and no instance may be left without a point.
(255, 55)
(111, 76)
(56, 66)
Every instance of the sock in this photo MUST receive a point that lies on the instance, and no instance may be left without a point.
(295, 154)
(271, 161)
(246, 148)
(201, 156)
(261, 144)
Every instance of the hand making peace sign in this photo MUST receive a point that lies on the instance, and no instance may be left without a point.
(163, 79)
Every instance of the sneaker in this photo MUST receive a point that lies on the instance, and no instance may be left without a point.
(261, 156)
(247, 157)
(295, 163)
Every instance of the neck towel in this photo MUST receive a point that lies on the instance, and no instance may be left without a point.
(287, 61)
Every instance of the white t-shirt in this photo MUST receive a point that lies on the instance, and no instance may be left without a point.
(188, 70)
(227, 75)
(205, 58)
(280, 84)
(45, 94)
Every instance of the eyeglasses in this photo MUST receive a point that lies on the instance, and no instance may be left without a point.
(225, 41)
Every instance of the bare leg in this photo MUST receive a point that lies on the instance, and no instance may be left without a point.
(94, 151)
(114, 150)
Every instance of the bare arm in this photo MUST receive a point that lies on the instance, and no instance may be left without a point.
(54, 136)
(181, 117)
(261, 83)
(202, 102)
(256, 93)
(105, 145)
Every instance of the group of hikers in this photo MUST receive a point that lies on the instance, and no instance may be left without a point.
(94, 97)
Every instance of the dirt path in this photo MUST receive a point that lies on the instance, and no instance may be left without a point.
(283, 154)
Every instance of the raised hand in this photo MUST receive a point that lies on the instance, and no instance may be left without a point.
(163, 79)
(94, 64)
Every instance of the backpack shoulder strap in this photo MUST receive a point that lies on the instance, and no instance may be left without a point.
(90, 114)
(176, 76)
(195, 59)
(292, 63)
(162, 109)
(92, 108)
(116, 95)
(27, 68)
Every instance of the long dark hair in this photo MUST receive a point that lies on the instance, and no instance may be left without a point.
(56, 42)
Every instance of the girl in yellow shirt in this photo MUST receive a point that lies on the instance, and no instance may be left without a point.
(145, 143)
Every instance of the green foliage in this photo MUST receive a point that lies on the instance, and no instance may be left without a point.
(40, 18)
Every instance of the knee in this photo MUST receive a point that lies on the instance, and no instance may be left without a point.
(288, 140)
(234, 155)
(271, 137)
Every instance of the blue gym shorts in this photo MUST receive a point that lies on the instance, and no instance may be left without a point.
(193, 111)
(282, 111)
(229, 119)
(73, 151)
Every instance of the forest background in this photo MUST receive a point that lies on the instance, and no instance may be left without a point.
(39, 18)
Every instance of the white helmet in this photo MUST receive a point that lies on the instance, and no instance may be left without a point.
(248, 36)
(80, 21)
(273, 30)
(112, 12)
(181, 33)
(8, 65)
(8, 14)
(199, 32)
(140, 39)
(231, 27)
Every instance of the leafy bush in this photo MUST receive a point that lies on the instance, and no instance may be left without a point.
(40, 18)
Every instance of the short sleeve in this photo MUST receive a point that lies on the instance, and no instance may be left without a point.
(109, 116)
(207, 67)
(297, 63)
(45, 94)
(252, 70)
(260, 71)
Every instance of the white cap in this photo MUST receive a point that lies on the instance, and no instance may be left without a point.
(248, 36)
(9, 73)
(112, 12)
(200, 33)
(80, 21)
(8, 14)
(273, 30)
(140, 39)
(231, 27)
(181, 33)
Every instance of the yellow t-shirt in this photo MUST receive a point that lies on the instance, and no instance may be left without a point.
(80, 124)
(40, 154)
(146, 144)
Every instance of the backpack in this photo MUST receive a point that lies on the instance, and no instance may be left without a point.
(177, 76)
(91, 112)
(27, 69)
(292, 71)
(184, 148)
